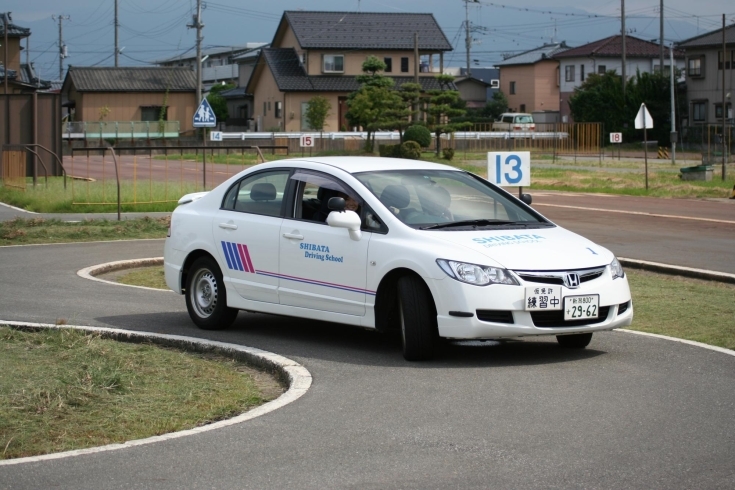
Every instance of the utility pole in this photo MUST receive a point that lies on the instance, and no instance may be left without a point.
(6, 26)
(468, 31)
(197, 24)
(673, 107)
(117, 25)
(62, 47)
(622, 22)
(724, 107)
(661, 38)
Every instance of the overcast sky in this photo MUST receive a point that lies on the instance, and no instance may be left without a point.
(156, 29)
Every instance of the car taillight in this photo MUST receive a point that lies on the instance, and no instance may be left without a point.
(533, 127)
(517, 127)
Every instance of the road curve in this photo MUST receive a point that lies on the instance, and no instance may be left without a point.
(629, 411)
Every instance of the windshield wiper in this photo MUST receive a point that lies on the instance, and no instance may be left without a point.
(471, 222)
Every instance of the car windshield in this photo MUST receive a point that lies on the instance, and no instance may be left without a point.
(524, 119)
(448, 200)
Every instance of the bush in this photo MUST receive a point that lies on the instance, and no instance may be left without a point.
(393, 151)
(448, 153)
(411, 149)
(419, 134)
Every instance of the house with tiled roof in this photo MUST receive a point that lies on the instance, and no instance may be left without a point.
(576, 64)
(22, 77)
(131, 94)
(704, 62)
(530, 79)
(321, 53)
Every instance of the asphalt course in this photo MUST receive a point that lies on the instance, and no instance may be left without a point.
(627, 412)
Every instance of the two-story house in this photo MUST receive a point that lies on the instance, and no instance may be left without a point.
(21, 77)
(320, 53)
(530, 80)
(576, 64)
(705, 61)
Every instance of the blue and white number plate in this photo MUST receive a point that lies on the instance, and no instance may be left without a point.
(582, 307)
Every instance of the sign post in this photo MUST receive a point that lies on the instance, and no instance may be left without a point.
(616, 139)
(509, 168)
(643, 120)
(204, 118)
(306, 141)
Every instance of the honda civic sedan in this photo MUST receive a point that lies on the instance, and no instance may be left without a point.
(425, 249)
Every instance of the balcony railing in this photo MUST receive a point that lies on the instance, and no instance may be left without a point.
(120, 130)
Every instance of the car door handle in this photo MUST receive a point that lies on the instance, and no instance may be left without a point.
(228, 226)
(293, 235)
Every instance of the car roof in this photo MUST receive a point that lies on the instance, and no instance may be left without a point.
(355, 165)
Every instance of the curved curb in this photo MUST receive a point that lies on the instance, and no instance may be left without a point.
(677, 270)
(721, 350)
(297, 376)
(95, 270)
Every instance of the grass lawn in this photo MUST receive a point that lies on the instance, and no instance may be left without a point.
(38, 230)
(63, 390)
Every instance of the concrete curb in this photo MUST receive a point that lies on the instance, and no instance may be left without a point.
(295, 375)
(96, 270)
(678, 270)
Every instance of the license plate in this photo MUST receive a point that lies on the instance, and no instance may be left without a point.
(582, 307)
(543, 298)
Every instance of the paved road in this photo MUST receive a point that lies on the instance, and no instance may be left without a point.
(628, 412)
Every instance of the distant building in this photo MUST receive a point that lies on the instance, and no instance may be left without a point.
(576, 64)
(530, 80)
(704, 65)
(22, 77)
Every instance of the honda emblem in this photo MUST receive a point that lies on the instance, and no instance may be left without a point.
(571, 280)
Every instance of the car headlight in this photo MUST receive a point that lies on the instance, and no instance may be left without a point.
(479, 275)
(616, 269)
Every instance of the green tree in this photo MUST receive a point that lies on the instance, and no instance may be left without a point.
(370, 106)
(443, 106)
(317, 111)
(219, 103)
(495, 107)
(600, 99)
(406, 113)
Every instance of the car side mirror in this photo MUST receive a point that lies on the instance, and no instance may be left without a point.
(336, 204)
(527, 198)
(346, 219)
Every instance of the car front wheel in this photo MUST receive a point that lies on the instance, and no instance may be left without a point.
(417, 319)
(576, 341)
(206, 298)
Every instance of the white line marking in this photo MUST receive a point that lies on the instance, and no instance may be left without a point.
(17, 209)
(299, 380)
(687, 271)
(635, 212)
(721, 350)
(82, 243)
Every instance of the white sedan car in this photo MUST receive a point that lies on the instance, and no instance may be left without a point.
(385, 243)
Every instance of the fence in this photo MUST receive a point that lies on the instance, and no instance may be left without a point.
(149, 175)
(708, 140)
(118, 130)
(561, 138)
(14, 168)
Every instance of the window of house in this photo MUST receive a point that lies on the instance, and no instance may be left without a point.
(512, 88)
(694, 67)
(304, 122)
(523, 107)
(404, 64)
(601, 69)
(718, 111)
(279, 108)
(265, 108)
(153, 113)
(569, 73)
(699, 111)
(581, 73)
(333, 63)
(719, 62)
(388, 64)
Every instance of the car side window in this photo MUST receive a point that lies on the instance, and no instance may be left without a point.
(313, 191)
(508, 119)
(261, 193)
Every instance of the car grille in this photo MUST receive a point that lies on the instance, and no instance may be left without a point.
(557, 277)
(496, 316)
(623, 307)
(555, 318)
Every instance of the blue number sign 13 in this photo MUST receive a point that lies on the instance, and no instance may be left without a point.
(509, 168)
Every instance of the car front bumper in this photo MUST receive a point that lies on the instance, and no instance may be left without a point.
(508, 301)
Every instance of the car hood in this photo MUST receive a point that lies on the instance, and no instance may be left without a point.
(529, 249)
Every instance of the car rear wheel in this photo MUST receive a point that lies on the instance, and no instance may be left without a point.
(206, 297)
(417, 319)
(576, 341)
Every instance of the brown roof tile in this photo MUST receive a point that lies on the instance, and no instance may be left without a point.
(612, 47)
